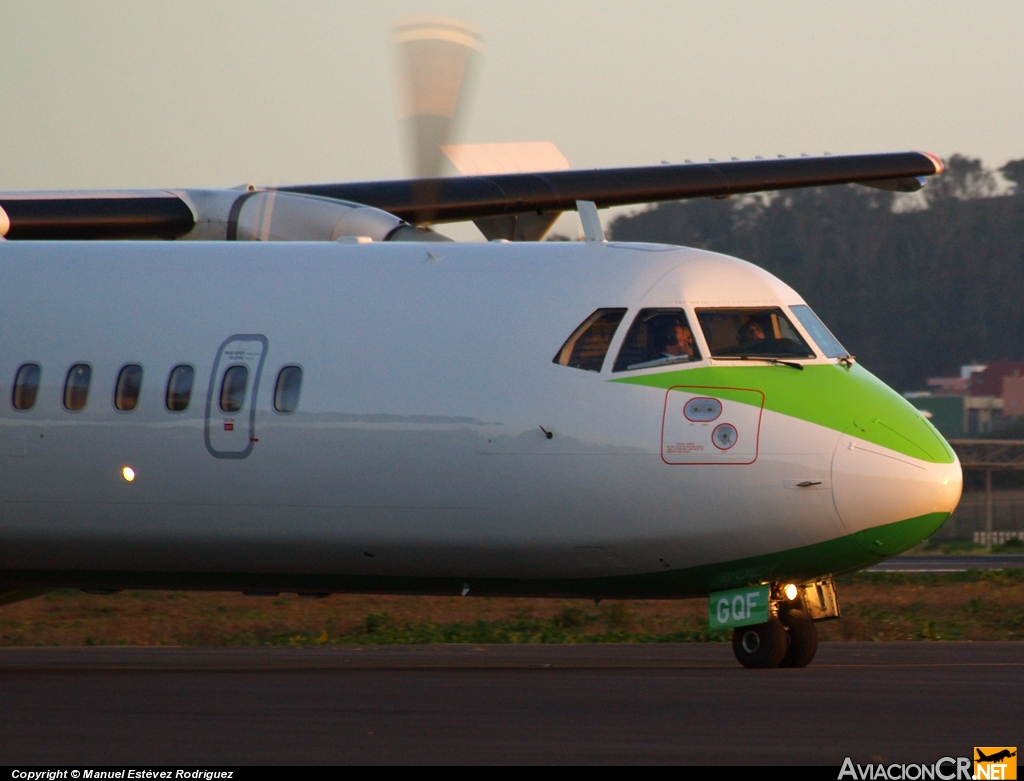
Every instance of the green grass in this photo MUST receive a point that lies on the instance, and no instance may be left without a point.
(970, 605)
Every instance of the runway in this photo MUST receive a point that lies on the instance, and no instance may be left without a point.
(949, 563)
(891, 702)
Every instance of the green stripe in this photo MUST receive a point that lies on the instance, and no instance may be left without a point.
(797, 565)
(845, 399)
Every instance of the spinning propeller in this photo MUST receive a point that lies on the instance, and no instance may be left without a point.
(511, 191)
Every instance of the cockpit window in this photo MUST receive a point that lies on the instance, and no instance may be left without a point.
(819, 332)
(587, 346)
(656, 338)
(760, 333)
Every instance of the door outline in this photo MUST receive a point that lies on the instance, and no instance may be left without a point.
(211, 392)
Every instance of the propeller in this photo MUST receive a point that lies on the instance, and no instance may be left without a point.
(437, 58)
(511, 191)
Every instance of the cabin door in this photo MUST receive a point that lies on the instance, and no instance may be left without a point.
(231, 398)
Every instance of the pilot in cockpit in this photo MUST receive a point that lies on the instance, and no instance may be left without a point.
(677, 340)
(751, 331)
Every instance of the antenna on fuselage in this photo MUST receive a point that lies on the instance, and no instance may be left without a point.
(592, 230)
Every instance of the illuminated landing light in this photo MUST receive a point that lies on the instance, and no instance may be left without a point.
(790, 592)
(128, 473)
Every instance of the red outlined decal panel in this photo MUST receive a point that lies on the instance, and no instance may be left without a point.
(699, 427)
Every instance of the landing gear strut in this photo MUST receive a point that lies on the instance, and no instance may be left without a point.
(789, 638)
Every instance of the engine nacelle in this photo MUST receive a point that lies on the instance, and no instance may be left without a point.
(269, 215)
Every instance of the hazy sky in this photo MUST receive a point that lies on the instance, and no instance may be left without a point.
(171, 94)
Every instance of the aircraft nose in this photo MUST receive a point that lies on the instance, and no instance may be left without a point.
(888, 500)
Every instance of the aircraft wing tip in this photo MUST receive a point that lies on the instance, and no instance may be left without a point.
(939, 165)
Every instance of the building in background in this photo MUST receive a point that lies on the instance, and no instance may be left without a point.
(986, 399)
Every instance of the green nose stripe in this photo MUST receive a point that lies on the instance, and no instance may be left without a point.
(848, 400)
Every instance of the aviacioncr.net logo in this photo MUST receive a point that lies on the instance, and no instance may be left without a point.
(945, 769)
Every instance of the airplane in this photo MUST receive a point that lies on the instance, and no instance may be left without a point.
(305, 389)
(996, 757)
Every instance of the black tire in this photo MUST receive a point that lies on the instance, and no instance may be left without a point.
(803, 639)
(761, 645)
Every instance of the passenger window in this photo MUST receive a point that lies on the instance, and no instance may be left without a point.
(129, 383)
(232, 389)
(76, 387)
(658, 337)
(179, 388)
(587, 346)
(26, 386)
(758, 333)
(286, 392)
(819, 332)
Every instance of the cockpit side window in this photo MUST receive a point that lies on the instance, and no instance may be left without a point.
(761, 333)
(819, 332)
(587, 346)
(656, 338)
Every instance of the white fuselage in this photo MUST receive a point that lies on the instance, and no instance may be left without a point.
(418, 448)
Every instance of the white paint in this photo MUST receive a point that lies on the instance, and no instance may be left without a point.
(873, 485)
(418, 435)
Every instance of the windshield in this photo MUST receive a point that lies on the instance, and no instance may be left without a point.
(657, 337)
(754, 333)
(827, 343)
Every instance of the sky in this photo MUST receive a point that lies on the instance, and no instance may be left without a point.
(110, 94)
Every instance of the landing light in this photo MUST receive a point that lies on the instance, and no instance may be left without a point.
(128, 473)
(790, 592)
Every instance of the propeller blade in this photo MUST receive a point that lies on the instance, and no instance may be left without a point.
(436, 57)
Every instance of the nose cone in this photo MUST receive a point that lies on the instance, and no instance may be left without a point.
(888, 500)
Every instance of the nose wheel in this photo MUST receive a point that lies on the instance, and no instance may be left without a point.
(789, 638)
(761, 645)
(790, 641)
(803, 639)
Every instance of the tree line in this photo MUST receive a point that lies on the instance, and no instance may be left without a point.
(914, 286)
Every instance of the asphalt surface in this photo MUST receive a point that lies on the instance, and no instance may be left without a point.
(691, 703)
(948, 563)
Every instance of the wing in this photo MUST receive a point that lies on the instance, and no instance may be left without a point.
(474, 197)
(166, 214)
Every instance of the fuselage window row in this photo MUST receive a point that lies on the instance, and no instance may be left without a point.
(128, 388)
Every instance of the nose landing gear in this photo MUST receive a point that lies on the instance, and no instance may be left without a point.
(789, 638)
